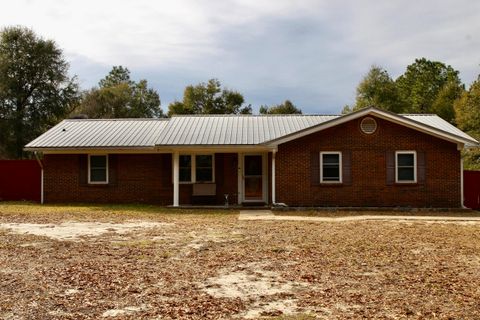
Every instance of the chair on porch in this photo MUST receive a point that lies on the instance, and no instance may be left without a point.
(204, 193)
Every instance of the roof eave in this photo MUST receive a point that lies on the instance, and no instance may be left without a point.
(152, 149)
(379, 113)
(88, 148)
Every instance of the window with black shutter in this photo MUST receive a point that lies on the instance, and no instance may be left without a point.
(98, 169)
(405, 167)
(331, 167)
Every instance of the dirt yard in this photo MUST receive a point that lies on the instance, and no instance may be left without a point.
(139, 262)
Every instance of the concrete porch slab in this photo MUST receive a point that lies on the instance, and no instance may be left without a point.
(256, 215)
(267, 215)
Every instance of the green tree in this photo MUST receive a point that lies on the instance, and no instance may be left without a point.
(467, 117)
(119, 97)
(377, 89)
(284, 108)
(443, 105)
(347, 109)
(35, 89)
(116, 76)
(209, 98)
(422, 83)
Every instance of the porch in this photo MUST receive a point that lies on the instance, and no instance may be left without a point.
(221, 179)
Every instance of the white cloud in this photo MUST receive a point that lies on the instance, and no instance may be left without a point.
(313, 52)
(154, 32)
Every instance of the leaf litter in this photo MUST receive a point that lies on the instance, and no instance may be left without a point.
(212, 266)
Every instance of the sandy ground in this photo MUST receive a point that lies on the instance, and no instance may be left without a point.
(268, 215)
(254, 282)
(72, 230)
(152, 263)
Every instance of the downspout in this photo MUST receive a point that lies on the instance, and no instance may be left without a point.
(41, 176)
(462, 199)
(273, 177)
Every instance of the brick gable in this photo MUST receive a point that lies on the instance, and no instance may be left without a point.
(368, 181)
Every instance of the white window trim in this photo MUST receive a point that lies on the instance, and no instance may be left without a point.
(340, 176)
(193, 174)
(414, 166)
(90, 172)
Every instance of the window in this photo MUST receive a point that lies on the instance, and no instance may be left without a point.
(98, 169)
(204, 168)
(330, 167)
(185, 168)
(196, 168)
(405, 167)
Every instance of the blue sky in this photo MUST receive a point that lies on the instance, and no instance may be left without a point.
(311, 52)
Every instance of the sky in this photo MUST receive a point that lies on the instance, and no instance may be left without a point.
(311, 52)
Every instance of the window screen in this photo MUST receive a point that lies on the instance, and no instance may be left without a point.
(98, 169)
(330, 167)
(406, 167)
(185, 168)
(204, 168)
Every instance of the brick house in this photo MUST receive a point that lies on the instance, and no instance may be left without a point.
(367, 158)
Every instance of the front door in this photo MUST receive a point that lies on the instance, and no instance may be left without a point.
(253, 177)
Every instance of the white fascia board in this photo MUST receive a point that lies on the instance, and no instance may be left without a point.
(410, 123)
(158, 149)
(380, 114)
(109, 150)
(217, 148)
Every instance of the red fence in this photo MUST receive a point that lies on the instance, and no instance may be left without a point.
(20, 180)
(471, 183)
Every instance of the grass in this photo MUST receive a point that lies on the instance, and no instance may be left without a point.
(115, 212)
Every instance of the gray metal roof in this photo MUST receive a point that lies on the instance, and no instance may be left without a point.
(194, 130)
(84, 133)
(233, 129)
(435, 121)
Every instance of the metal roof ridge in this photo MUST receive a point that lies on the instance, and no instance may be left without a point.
(119, 119)
(232, 116)
(251, 115)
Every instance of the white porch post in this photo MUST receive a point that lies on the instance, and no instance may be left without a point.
(273, 176)
(240, 178)
(176, 174)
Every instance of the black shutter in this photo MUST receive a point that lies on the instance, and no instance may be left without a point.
(112, 169)
(421, 167)
(347, 167)
(390, 161)
(315, 168)
(83, 169)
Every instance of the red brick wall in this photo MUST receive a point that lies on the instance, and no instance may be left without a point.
(368, 185)
(134, 178)
(139, 178)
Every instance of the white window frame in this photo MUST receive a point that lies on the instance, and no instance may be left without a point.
(340, 168)
(414, 166)
(90, 172)
(193, 173)
(213, 166)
